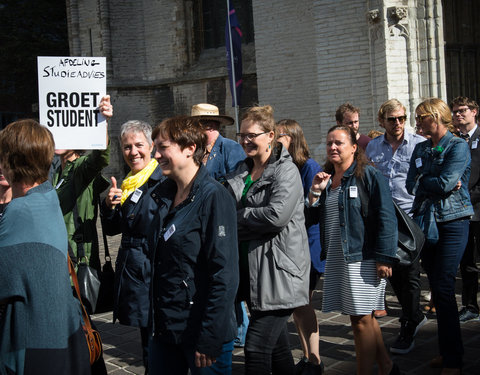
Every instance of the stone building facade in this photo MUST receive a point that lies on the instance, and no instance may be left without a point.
(304, 57)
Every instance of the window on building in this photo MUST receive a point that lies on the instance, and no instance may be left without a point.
(211, 18)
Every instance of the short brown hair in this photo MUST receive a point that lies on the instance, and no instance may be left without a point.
(26, 149)
(344, 108)
(298, 146)
(463, 100)
(184, 131)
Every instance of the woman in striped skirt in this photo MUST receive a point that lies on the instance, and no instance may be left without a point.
(353, 204)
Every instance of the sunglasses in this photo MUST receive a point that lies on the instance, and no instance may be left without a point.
(421, 117)
(393, 120)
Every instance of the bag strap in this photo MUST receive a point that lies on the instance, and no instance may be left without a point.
(105, 241)
(73, 275)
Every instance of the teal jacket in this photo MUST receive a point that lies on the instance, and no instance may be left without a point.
(40, 319)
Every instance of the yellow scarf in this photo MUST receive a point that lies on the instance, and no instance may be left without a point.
(132, 182)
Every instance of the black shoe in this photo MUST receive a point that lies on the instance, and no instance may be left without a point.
(313, 369)
(466, 315)
(300, 366)
(304, 367)
(404, 342)
(395, 370)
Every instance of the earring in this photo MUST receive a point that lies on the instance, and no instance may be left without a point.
(269, 146)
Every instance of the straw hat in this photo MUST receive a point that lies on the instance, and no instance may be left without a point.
(204, 111)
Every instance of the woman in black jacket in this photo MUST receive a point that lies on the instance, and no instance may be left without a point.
(195, 261)
(130, 211)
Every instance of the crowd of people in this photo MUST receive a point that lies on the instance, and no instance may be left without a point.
(222, 242)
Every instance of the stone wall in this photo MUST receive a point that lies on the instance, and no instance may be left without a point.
(309, 56)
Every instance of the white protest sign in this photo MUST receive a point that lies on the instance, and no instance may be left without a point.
(69, 94)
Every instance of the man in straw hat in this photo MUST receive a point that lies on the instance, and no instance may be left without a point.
(222, 154)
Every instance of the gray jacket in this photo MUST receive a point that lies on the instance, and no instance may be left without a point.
(273, 222)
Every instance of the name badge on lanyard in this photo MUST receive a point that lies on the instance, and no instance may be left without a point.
(418, 162)
(474, 144)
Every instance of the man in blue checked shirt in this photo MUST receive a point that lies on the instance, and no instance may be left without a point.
(391, 153)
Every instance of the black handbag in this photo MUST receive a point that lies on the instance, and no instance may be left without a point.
(410, 236)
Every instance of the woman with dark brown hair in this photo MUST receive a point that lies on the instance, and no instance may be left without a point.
(359, 246)
(194, 259)
(40, 320)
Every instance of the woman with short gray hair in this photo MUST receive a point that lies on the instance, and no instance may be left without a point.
(129, 210)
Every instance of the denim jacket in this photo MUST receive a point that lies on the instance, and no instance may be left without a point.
(434, 173)
(378, 240)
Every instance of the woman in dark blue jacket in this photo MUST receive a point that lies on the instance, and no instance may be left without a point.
(195, 259)
(438, 177)
(130, 211)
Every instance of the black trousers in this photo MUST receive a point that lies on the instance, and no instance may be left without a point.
(469, 269)
(405, 282)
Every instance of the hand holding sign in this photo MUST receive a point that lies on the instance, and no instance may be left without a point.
(114, 195)
(105, 107)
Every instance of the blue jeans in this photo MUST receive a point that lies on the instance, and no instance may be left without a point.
(171, 359)
(242, 323)
(441, 263)
(267, 349)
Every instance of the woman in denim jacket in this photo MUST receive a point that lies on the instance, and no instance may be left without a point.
(438, 177)
(359, 247)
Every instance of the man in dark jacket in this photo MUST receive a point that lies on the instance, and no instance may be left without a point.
(465, 112)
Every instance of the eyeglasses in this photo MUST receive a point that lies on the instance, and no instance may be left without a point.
(248, 136)
(393, 120)
(460, 111)
(420, 118)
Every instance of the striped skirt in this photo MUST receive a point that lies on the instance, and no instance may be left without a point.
(351, 288)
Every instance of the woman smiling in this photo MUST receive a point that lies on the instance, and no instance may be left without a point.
(274, 253)
(130, 210)
(195, 260)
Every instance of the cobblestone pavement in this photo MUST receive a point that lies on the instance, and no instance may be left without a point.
(122, 352)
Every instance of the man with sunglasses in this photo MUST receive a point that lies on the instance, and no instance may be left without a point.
(391, 153)
(465, 112)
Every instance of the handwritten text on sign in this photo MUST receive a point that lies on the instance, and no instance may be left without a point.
(70, 90)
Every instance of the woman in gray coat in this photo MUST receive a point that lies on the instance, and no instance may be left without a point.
(274, 254)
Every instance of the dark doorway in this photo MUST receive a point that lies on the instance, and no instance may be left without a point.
(462, 48)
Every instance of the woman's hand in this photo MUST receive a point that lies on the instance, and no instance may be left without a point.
(203, 360)
(384, 270)
(320, 181)
(106, 108)
(457, 186)
(114, 195)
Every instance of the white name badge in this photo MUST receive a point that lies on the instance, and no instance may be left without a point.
(418, 162)
(61, 182)
(353, 192)
(474, 144)
(169, 233)
(136, 195)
